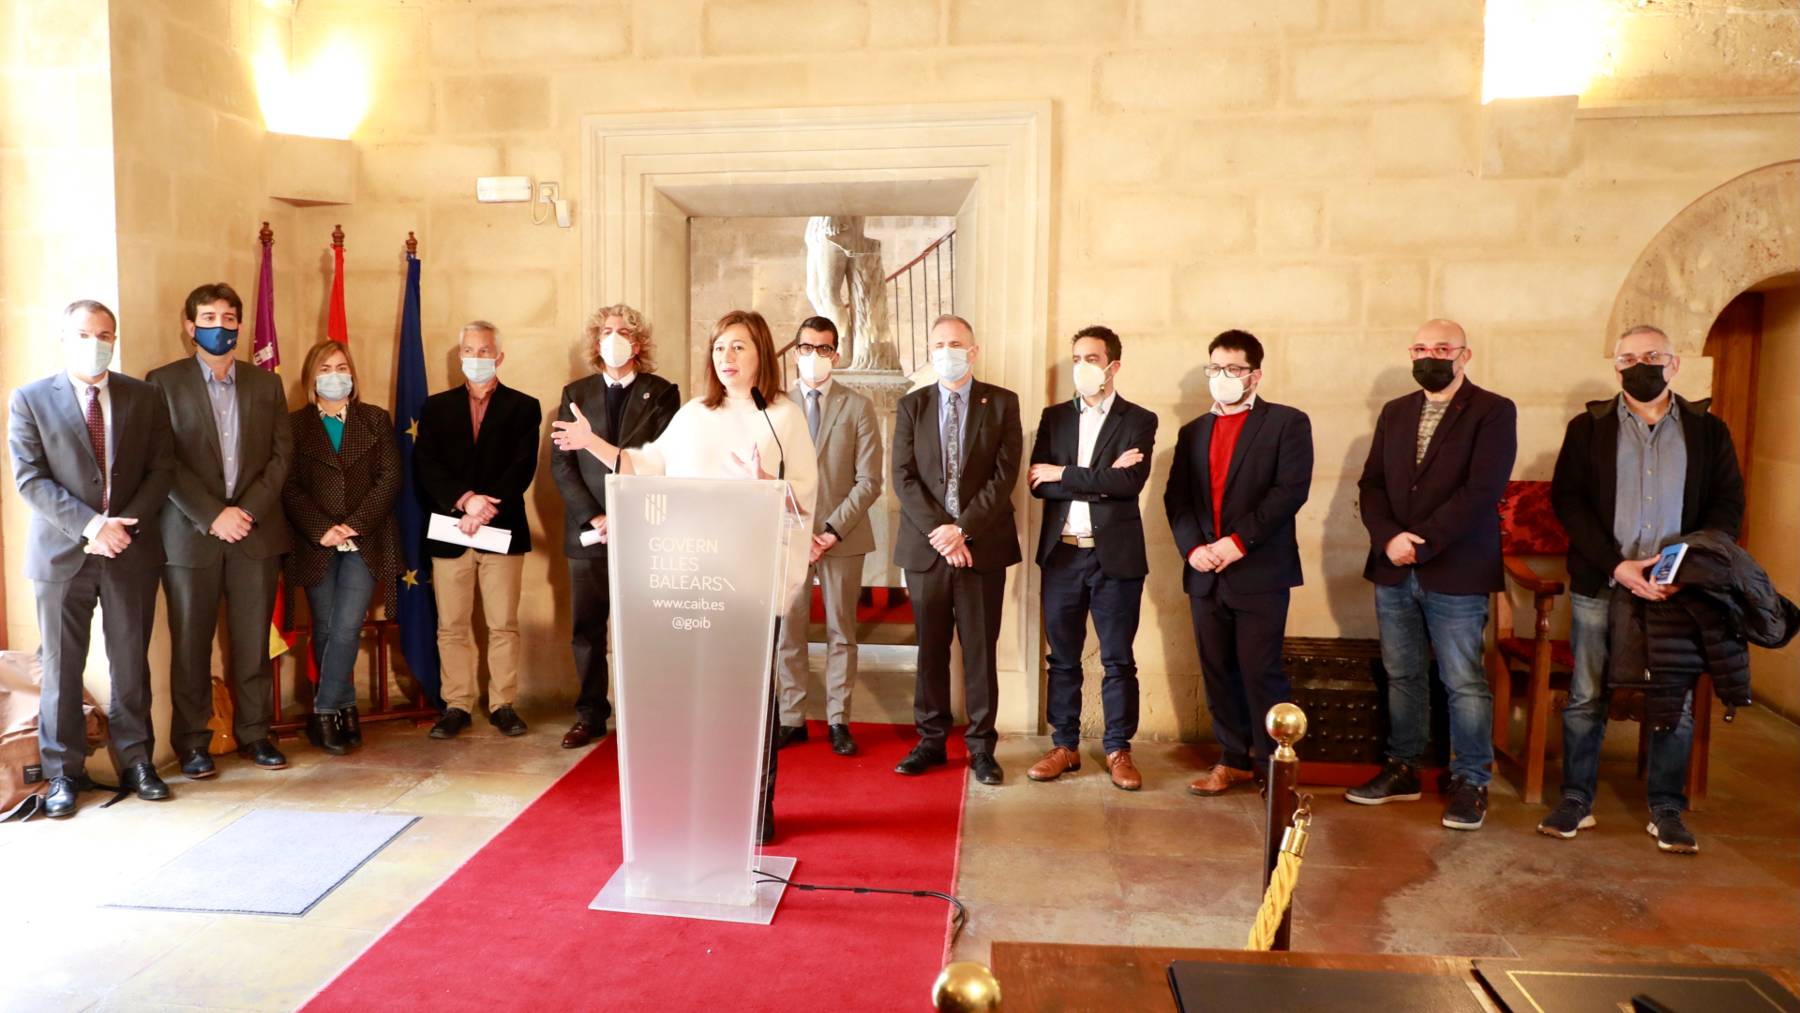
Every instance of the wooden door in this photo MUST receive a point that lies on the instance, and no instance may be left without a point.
(1733, 344)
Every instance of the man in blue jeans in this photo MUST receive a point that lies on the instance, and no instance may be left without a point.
(1430, 495)
(1635, 472)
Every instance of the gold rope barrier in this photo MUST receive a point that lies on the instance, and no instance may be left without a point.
(1282, 880)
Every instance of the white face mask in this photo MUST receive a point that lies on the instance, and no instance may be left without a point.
(1227, 390)
(333, 386)
(815, 368)
(1090, 379)
(615, 350)
(951, 364)
(479, 371)
(87, 356)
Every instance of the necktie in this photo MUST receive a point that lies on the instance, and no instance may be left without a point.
(615, 410)
(812, 415)
(953, 457)
(96, 425)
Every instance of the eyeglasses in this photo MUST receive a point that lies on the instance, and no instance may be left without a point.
(1436, 351)
(806, 349)
(1235, 371)
(1628, 360)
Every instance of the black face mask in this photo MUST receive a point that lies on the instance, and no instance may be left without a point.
(1643, 381)
(1434, 374)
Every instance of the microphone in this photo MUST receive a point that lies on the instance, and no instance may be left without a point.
(762, 405)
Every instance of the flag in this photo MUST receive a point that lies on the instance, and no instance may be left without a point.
(418, 608)
(337, 324)
(266, 352)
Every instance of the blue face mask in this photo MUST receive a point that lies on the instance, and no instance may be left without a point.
(216, 340)
(334, 386)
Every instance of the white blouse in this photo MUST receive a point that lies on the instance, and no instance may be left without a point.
(700, 441)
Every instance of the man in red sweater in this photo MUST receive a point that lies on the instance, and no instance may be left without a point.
(1239, 475)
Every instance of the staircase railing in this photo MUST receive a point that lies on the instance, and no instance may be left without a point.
(923, 289)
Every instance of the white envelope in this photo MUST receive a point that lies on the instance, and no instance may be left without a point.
(443, 529)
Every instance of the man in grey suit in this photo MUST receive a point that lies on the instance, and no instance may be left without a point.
(92, 457)
(225, 532)
(848, 441)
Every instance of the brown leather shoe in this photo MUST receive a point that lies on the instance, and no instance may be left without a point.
(581, 733)
(1221, 779)
(1124, 773)
(1056, 762)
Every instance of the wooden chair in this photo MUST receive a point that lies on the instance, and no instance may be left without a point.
(1537, 668)
(414, 707)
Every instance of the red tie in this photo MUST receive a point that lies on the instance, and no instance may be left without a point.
(96, 423)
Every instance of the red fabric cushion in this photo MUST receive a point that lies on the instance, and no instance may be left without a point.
(1528, 526)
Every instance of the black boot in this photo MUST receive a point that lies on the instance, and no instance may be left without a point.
(322, 731)
(351, 723)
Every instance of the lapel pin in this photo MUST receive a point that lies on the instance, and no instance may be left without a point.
(646, 395)
(984, 400)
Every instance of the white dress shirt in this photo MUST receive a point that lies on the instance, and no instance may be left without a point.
(1080, 521)
(81, 399)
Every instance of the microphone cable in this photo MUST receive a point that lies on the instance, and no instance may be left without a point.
(958, 919)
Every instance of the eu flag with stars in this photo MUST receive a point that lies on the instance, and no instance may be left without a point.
(418, 608)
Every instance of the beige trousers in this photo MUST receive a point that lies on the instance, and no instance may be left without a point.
(840, 580)
(454, 582)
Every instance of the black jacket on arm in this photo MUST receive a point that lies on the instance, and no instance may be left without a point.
(1451, 498)
(448, 460)
(1268, 482)
(1111, 493)
(1584, 490)
(650, 402)
(993, 447)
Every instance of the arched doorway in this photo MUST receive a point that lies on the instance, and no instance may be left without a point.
(1723, 278)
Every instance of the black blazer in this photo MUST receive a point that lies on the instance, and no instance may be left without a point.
(355, 485)
(1269, 480)
(1584, 490)
(992, 447)
(650, 402)
(448, 461)
(1111, 493)
(1451, 498)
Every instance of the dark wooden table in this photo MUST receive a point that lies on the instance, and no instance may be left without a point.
(1061, 976)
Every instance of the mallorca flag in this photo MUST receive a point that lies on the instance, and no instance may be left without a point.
(418, 608)
(266, 352)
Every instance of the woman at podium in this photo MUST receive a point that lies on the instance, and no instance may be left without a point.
(743, 426)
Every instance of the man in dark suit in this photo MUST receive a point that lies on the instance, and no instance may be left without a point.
(1240, 474)
(628, 405)
(957, 445)
(474, 457)
(92, 457)
(1430, 494)
(1636, 471)
(1091, 549)
(227, 531)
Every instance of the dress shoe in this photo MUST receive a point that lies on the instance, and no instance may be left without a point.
(1220, 779)
(985, 769)
(1055, 763)
(583, 732)
(451, 724)
(59, 801)
(1124, 773)
(507, 720)
(197, 765)
(787, 735)
(920, 759)
(263, 753)
(351, 723)
(841, 742)
(322, 730)
(141, 778)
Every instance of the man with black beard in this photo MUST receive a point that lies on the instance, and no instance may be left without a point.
(1635, 472)
(1430, 495)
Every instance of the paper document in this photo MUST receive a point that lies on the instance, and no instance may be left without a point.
(443, 529)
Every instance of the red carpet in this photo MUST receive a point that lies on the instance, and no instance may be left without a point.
(511, 929)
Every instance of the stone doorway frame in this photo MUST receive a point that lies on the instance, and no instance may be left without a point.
(1731, 239)
(988, 164)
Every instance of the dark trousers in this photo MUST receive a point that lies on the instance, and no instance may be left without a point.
(1074, 588)
(1240, 661)
(947, 600)
(338, 604)
(589, 604)
(65, 608)
(247, 587)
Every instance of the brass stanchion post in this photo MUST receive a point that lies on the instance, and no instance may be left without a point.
(1287, 725)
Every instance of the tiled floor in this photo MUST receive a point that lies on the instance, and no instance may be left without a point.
(1075, 860)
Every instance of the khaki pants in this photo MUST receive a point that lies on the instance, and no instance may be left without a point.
(840, 580)
(454, 581)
